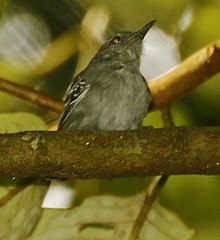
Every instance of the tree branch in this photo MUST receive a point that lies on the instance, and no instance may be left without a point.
(152, 194)
(191, 72)
(111, 154)
(188, 74)
(31, 95)
(154, 188)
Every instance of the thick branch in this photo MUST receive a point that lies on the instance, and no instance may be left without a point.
(110, 154)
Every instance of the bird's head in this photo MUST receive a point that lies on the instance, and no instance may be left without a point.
(125, 46)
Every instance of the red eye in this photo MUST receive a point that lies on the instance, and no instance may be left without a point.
(116, 39)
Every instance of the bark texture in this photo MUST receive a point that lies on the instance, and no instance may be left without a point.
(105, 155)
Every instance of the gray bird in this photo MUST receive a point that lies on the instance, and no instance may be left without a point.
(110, 93)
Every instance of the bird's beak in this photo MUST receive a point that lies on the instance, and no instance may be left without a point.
(140, 34)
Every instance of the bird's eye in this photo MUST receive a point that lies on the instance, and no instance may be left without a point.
(116, 40)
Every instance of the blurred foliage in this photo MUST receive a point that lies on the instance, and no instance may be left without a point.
(109, 217)
(60, 16)
(19, 122)
(15, 212)
(203, 101)
(16, 191)
(27, 29)
(195, 199)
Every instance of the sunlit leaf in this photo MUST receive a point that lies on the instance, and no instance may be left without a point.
(18, 122)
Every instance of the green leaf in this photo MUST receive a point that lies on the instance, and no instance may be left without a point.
(19, 215)
(107, 217)
(20, 121)
(20, 208)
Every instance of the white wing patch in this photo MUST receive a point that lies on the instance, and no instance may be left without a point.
(74, 94)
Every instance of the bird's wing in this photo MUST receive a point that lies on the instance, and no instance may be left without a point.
(74, 94)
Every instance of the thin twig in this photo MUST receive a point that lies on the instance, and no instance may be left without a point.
(31, 95)
(150, 198)
(167, 117)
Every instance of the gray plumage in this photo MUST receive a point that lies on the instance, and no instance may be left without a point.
(110, 93)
